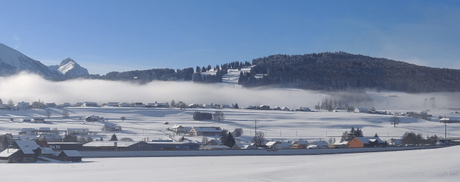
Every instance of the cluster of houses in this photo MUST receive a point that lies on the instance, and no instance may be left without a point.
(267, 107)
(197, 131)
(54, 135)
(27, 151)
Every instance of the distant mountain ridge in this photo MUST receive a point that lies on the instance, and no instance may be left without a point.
(343, 71)
(323, 71)
(12, 62)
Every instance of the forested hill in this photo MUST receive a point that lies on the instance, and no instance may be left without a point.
(341, 71)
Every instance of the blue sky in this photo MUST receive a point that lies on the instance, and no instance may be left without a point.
(110, 35)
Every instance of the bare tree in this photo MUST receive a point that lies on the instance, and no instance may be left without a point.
(237, 132)
(123, 118)
(259, 138)
(10, 103)
(65, 114)
(395, 120)
(126, 139)
(48, 113)
(204, 140)
(219, 116)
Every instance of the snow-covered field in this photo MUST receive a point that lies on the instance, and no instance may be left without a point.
(148, 123)
(416, 165)
(141, 123)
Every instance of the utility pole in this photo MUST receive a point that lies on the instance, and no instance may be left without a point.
(255, 128)
(445, 130)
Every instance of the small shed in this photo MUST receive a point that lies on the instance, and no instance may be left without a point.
(70, 155)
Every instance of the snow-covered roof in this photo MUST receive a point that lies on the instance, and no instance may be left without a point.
(47, 150)
(341, 143)
(369, 139)
(71, 153)
(109, 144)
(28, 146)
(207, 129)
(362, 109)
(284, 145)
(448, 120)
(270, 144)
(302, 142)
(319, 143)
(8, 152)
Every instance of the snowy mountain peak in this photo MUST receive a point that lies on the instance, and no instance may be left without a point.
(13, 61)
(70, 68)
(66, 61)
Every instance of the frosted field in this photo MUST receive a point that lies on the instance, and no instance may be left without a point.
(147, 123)
(417, 165)
(141, 123)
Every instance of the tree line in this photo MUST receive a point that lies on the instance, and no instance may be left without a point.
(342, 71)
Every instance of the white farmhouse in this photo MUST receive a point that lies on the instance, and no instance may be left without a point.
(361, 110)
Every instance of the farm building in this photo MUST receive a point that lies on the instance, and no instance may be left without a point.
(301, 144)
(58, 146)
(92, 118)
(11, 155)
(361, 110)
(89, 104)
(360, 142)
(180, 129)
(70, 155)
(205, 131)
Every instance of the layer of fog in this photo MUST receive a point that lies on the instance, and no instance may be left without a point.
(29, 88)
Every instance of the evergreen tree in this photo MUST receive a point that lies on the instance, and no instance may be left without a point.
(230, 140)
(114, 138)
(224, 137)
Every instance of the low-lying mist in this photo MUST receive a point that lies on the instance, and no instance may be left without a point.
(29, 87)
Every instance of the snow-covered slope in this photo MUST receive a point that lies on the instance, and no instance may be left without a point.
(13, 61)
(69, 68)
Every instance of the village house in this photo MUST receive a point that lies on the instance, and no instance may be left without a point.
(92, 118)
(116, 145)
(360, 142)
(339, 144)
(22, 105)
(238, 146)
(180, 129)
(161, 104)
(361, 110)
(394, 142)
(285, 109)
(124, 104)
(213, 145)
(173, 145)
(279, 145)
(264, 107)
(318, 144)
(39, 120)
(70, 155)
(89, 104)
(137, 104)
(304, 109)
(111, 127)
(21, 151)
(58, 146)
(112, 104)
(301, 144)
(11, 155)
(205, 131)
